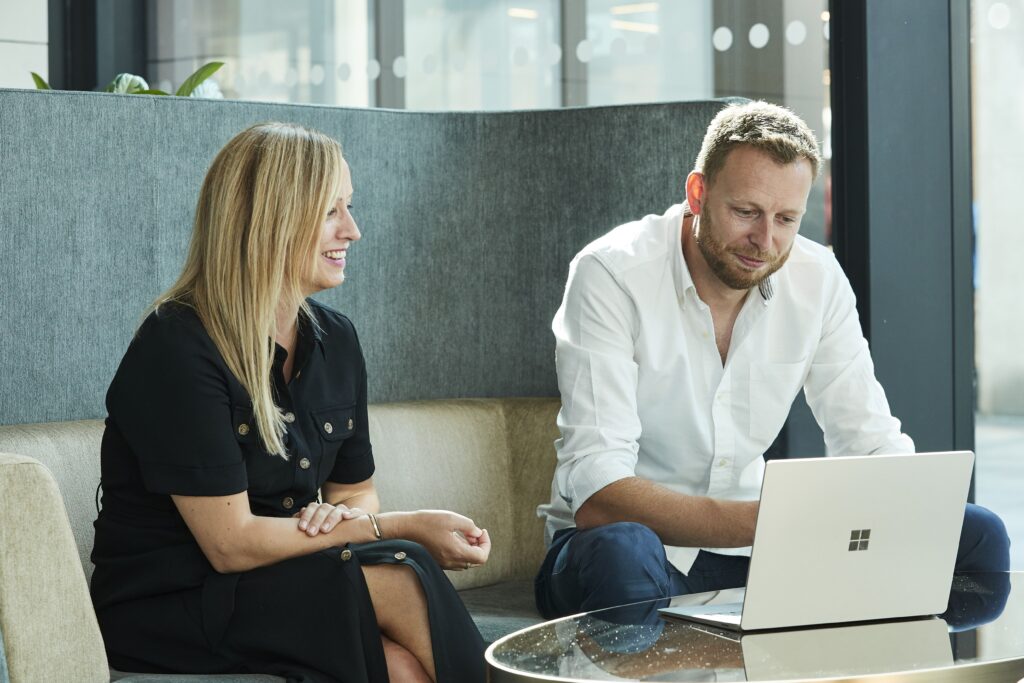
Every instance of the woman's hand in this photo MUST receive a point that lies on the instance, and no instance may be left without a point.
(454, 541)
(318, 518)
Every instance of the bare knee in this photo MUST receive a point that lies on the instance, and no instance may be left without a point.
(402, 664)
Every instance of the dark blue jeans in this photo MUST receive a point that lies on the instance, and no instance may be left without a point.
(625, 562)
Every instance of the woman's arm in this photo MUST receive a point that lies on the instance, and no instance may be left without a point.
(362, 495)
(452, 539)
(235, 540)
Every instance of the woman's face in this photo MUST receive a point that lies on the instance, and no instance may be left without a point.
(337, 232)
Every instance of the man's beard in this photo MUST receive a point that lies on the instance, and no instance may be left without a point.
(720, 259)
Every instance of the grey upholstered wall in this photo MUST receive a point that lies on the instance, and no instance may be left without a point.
(469, 223)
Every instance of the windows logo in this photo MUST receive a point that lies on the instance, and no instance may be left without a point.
(859, 539)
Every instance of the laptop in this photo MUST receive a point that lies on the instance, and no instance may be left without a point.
(847, 539)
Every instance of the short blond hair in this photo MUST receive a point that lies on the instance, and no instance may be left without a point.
(257, 227)
(762, 125)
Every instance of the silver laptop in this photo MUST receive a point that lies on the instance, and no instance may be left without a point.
(848, 539)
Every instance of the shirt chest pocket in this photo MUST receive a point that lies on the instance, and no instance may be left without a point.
(333, 425)
(773, 386)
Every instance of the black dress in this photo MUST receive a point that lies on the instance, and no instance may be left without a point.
(180, 423)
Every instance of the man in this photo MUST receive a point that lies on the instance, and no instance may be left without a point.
(682, 341)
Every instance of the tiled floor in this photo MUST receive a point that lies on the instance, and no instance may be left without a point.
(999, 475)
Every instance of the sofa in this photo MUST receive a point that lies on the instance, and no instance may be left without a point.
(491, 459)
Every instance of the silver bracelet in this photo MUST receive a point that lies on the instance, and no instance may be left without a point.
(376, 527)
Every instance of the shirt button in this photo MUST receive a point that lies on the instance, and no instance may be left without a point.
(400, 556)
(723, 463)
(328, 427)
(289, 417)
(346, 555)
(304, 463)
(350, 423)
(288, 503)
(243, 429)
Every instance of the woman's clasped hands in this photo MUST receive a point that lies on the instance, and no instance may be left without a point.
(453, 540)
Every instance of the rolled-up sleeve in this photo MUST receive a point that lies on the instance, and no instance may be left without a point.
(595, 329)
(841, 388)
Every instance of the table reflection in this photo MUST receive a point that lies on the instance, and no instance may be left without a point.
(635, 642)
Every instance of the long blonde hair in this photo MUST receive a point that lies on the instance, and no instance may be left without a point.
(257, 228)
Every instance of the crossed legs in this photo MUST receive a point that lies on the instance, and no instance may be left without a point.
(401, 609)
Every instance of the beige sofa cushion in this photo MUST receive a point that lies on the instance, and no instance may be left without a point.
(489, 459)
(71, 451)
(49, 629)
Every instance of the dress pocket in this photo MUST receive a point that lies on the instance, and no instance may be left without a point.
(334, 424)
(773, 386)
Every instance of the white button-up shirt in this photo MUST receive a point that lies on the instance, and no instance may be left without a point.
(644, 391)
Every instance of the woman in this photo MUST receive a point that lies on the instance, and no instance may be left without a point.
(237, 401)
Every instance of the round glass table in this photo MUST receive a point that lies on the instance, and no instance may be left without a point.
(980, 637)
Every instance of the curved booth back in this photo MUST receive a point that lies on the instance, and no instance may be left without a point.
(469, 222)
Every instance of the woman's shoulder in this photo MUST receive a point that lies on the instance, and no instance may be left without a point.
(176, 328)
(330, 319)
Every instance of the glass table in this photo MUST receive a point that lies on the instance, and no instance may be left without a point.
(980, 637)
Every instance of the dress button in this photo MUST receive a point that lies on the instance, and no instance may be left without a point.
(289, 417)
(350, 423)
(304, 463)
(346, 554)
(243, 429)
(400, 556)
(288, 503)
(328, 427)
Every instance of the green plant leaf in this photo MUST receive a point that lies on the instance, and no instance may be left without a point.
(151, 91)
(200, 75)
(127, 84)
(41, 83)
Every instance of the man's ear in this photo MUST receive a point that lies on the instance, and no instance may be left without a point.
(695, 191)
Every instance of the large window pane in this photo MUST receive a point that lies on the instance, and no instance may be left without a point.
(481, 54)
(315, 51)
(997, 70)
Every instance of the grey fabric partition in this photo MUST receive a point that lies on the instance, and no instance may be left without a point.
(469, 222)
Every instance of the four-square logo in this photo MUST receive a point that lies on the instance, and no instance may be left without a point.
(859, 539)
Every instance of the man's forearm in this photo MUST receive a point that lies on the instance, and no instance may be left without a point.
(678, 519)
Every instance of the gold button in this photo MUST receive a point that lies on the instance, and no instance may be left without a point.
(243, 429)
(328, 427)
(288, 503)
(304, 463)
(346, 554)
(400, 556)
(289, 417)
(350, 423)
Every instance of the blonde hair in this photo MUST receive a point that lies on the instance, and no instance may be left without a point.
(257, 228)
(765, 126)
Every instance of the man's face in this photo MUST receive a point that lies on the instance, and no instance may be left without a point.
(750, 215)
